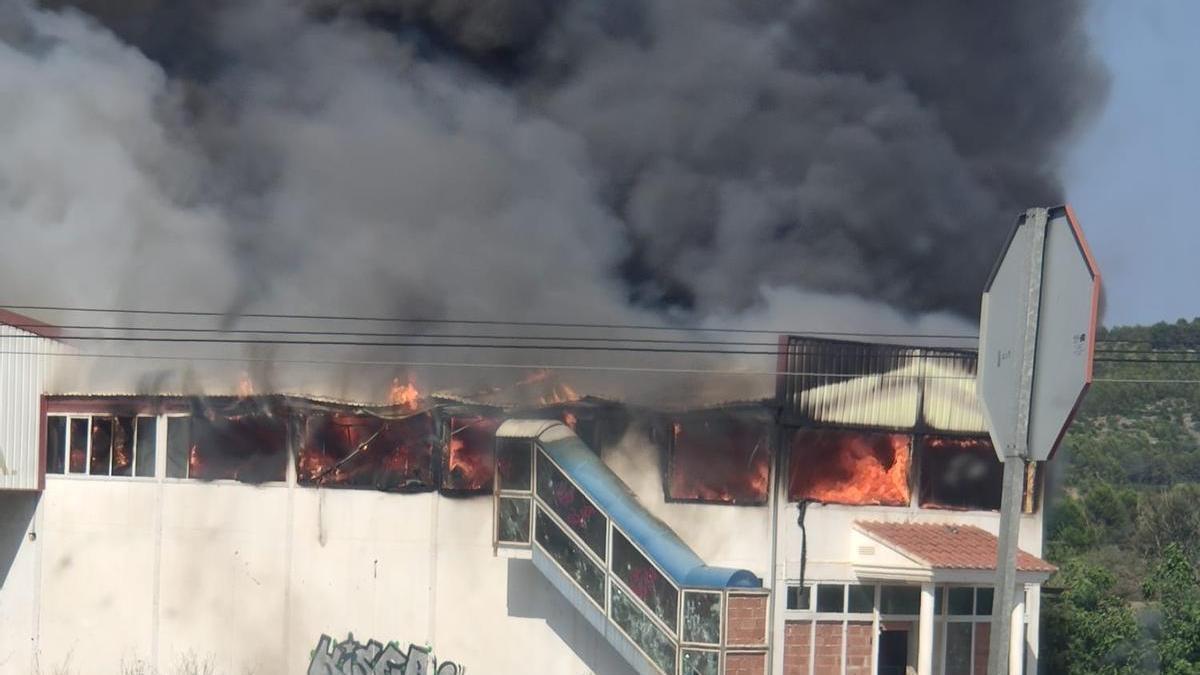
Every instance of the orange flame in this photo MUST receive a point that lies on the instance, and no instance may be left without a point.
(850, 468)
(404, 394)
(245, 388)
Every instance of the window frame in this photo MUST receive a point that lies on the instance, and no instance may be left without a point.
(90, 419)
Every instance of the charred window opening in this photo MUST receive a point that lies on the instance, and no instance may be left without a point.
(849, 467)
(243, 442)
(960, 473)
(366, 451)
(469, 463)
(56, 444)
(718, 459)
(100, 445)
(964, 473)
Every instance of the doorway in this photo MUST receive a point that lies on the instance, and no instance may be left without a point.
(893, 652)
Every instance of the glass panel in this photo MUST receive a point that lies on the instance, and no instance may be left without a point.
(576, 510)
(862, 599)
(958, 648)
(514, 520)
(587, 574)
(122, 447)
(79, 444)
(938, 598)
(630, 618)
(961, 601)
(702, 618)
(830, 598)
(147, 434)
(179, 444)
(983, 602)
(798, 597)
(900, 600)
(645, 580)
(56, 444)
(513, 463)
(102, 438)
(700, 663)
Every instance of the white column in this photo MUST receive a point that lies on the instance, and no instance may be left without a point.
(925, 632)
(1016, 640)
(1033, 611)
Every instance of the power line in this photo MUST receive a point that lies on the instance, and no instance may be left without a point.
(473, 322)
(459, 364)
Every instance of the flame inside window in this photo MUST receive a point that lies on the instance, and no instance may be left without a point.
(469, 459)
(354, 450)
(250, 448)
(719, 459)
(849, 467)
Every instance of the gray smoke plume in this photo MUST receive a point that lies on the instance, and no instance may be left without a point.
(616, 160)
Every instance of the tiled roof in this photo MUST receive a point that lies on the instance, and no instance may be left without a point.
(944, 546)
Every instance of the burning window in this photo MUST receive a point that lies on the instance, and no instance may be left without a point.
(249, 447)
(849, 467)
(359, 450)
(960, 473)
(100, 445)
(964, 473)
(719, 459)
(468, 464)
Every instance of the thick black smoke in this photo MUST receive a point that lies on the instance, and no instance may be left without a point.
(871, 148)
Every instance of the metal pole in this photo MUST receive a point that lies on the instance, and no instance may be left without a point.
(1014, 460)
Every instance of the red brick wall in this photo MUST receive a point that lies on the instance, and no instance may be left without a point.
(746, 622)
(797, 636)
(858, 648)
(746, 664)
(983, 633)
(828, 648)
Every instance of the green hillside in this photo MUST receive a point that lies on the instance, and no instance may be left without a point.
(1123, 520)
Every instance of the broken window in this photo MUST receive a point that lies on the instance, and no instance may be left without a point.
(244, 445)
(514, 500)
(568, 503)
(960, 473)
(362, 450)
(718, 459)
(570, 556)
(100, 445)
(849, 467)
(647, 583)
(468, 464)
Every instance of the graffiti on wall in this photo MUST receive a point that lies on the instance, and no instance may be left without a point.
(351, 657)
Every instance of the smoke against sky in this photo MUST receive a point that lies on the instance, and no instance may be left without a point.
(640, 160)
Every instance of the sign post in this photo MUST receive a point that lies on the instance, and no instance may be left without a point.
(1037, 336)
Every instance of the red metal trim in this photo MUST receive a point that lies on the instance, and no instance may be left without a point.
(29, 325)
(1091, 348)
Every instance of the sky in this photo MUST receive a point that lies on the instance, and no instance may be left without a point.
(1134, 176)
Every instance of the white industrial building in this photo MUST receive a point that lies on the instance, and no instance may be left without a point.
(844, 526)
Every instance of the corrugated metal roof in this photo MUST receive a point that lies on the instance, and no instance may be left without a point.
(835, 382)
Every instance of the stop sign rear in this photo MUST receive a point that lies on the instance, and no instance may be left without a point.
(1037, 334)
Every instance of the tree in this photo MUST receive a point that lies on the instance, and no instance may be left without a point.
(1088, 630)
(1174, 585)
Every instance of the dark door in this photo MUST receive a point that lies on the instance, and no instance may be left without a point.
(893, 652)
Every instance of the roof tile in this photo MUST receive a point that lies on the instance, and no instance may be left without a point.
(949, 546)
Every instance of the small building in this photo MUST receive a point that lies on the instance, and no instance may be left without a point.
(845, 525)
